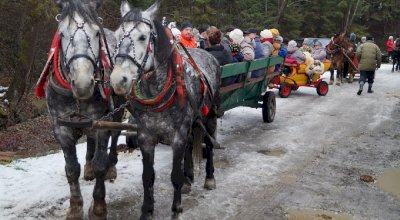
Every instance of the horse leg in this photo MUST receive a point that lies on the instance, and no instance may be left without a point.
(67, 140)
(113, 156)
(188, 168)
(177, 177)
(98, 208)
(148, 177)
(339, 76)
(88, 169)
(332, 70)
(211, 128)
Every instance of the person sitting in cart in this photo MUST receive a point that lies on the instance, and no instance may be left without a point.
(294, 53)
(266, 41)
(319, 53)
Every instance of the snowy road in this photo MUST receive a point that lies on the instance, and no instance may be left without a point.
(304, 165)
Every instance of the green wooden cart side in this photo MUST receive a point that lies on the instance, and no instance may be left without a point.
(249, 92)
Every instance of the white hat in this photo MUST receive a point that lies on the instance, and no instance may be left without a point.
(266, 34)
(236, 36)
(175, 32)
(292, 46)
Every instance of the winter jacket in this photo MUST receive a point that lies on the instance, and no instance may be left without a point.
(267, 48)
(319, 54)
(188, 41)
(389, 46)
(297, 55)
(247, 50)
(223, 56)
(258, 50)
(369, 56)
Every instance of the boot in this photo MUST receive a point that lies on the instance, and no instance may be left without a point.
(361, 88)
(392, 69)
(370, 88)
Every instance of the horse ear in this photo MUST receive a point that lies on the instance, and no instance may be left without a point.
(125, 8)
(152, 10)
(61, 4)
(95, 4)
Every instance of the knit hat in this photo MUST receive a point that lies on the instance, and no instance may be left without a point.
(292, 46)
(175, 32)
(266, 34)
(278, 38)
(186, 24)
(274, 32)
(363, 39)
(236, 36)
(353, 37)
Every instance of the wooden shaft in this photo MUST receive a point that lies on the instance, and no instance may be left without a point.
(113, 125)
(129, 133)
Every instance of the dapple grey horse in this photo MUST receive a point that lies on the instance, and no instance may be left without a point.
(168, 98)
(77, 88)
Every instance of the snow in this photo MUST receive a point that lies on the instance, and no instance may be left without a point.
(37, 188)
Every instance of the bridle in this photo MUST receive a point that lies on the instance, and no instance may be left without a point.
(153, 37)
(95, 62)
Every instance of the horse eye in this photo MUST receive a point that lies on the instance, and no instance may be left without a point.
(142, 38)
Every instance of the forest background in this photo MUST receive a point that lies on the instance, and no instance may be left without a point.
(27, 28)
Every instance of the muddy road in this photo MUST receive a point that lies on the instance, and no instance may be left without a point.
(333, 157)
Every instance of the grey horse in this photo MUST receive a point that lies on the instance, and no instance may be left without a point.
(77, 88)
(173, 102)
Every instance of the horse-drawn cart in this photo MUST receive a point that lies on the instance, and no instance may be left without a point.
(250, 92)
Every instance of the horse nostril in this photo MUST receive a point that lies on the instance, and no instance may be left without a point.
(124, 79)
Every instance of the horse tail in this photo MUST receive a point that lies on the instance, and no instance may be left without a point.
(198, 140)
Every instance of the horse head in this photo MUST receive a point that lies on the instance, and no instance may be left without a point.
(80, 32)
(143, 45)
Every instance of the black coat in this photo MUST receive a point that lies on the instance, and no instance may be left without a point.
(223, 56)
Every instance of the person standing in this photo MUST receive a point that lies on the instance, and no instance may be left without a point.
(187, 38)
(390, 46)
(370, 57)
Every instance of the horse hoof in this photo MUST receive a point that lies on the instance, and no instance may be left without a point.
(75, 211)
(88, 173)
(338, 83)
(75, 214)
(210, 184)
(98, 212)
(176, 216)
(147, 216)
(186, 188)
(177, 210)
(111, 173)
(330, 82)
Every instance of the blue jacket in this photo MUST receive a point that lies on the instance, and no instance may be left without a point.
(259, 52)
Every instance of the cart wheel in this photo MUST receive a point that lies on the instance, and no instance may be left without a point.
(285, 90)
(322, 88)
(269, 107)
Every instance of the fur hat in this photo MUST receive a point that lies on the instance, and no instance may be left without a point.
(292, 46)
(186, 24)
(308, 60)
(274, 32)
(236, 36)
(266, 34)
(175, 32)
(363, 39)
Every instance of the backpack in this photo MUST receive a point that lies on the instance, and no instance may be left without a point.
(397, 45)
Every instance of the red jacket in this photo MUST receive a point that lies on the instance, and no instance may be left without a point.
(188, 42)
(389, 45)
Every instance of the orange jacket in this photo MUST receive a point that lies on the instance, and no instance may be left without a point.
(188, 41)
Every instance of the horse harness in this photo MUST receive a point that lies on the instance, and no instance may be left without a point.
(174, 86)
(61, 66)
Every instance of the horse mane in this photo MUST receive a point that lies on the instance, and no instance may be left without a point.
(162, 45)
(82, 8)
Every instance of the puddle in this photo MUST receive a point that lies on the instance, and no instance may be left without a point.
(316, 215)
(220, 164)
(288, 180)
(273, 153)
(389, 181)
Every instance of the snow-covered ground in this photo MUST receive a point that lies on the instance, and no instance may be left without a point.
(305, 124)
